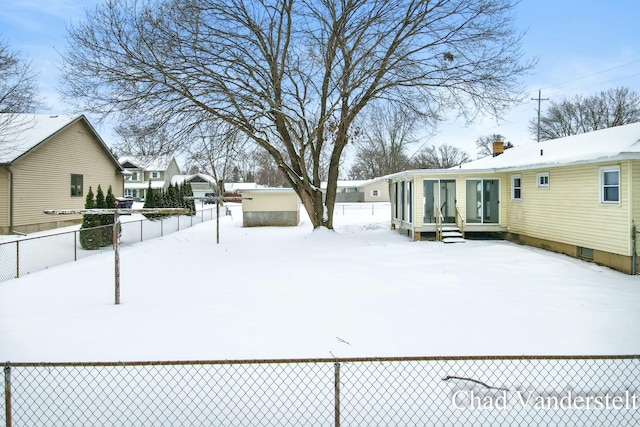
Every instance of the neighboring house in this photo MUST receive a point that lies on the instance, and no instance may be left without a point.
(145, 171)
(375, 190)
(578, 195)
(50, 164)
(371, 190)
(201, 183)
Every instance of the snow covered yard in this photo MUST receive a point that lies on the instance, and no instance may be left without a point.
(295, 293)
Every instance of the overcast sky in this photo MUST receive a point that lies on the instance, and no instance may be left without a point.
(583, 47)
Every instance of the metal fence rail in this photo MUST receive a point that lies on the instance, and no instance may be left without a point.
(31, 254)
(438, 391)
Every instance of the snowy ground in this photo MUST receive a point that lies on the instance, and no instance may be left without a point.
(293, 292)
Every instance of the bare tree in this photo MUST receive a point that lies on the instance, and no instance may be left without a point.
(294, 75)
(442, 157)
(216, 147)
(484, 144)
(18, 94)
(381, 148)
(610, 108)
(141, 137)
(267, 172)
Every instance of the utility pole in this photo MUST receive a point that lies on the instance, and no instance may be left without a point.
(539, 99)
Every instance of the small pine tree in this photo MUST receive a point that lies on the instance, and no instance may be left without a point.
(150, 201)
(172, 197)
(189, 204)
(101, 204)
(89, 238)
(107, 220)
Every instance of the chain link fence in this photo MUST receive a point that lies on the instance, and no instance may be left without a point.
(30, 254)
(437, 391)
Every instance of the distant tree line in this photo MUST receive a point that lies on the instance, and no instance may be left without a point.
(571, 116)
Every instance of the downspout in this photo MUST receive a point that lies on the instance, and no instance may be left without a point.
(634, 255)
(11, 201)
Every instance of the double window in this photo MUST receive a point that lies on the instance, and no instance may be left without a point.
(76, 185)
(610, 185)
(543, 180)
(516, 187)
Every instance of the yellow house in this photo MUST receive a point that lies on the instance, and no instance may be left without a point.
(50, 163)
(578, 195)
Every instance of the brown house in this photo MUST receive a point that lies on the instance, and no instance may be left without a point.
(50, 163)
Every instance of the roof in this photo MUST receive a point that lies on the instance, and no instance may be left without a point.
(346, 183)
(143, 185)
(238, 186)
(148, 163)
(180, 179)
(34, 129)
(268, 190)
(615, 143)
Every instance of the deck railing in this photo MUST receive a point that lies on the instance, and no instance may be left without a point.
(460, 221)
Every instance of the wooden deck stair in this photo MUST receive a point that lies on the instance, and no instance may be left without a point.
(451, 234)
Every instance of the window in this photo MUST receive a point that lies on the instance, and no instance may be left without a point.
(76, 185)
(610, 185)
(134, 176)
(155, 174)
(374, 193)
(543, 180)
(516, 187)
(586, 253)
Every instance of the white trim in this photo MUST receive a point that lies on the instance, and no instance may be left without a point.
(604, 170)
(513, 187)
(544, 177)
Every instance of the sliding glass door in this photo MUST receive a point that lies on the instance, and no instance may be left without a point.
(439, 193)
(483, 201)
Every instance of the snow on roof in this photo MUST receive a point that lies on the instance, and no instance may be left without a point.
(180, 179)
(148, 163)
(601, 145)
(144, 185)
(237, 186)
(31, 130)
(347, 183)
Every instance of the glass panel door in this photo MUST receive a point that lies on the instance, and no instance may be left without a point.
(448, 200)
(442, 194)
(491, 207)
(474, 201)
(430, 189)
(483, 201)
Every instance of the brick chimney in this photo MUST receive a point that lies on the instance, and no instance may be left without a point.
(498, 147)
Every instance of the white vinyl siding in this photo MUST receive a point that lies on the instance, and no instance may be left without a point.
(570, 210)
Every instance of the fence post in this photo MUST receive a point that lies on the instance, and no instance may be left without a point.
(7, 394)
(336, 387)
(17, 259)
(116, 250)
(75, 245)
(141, 227)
